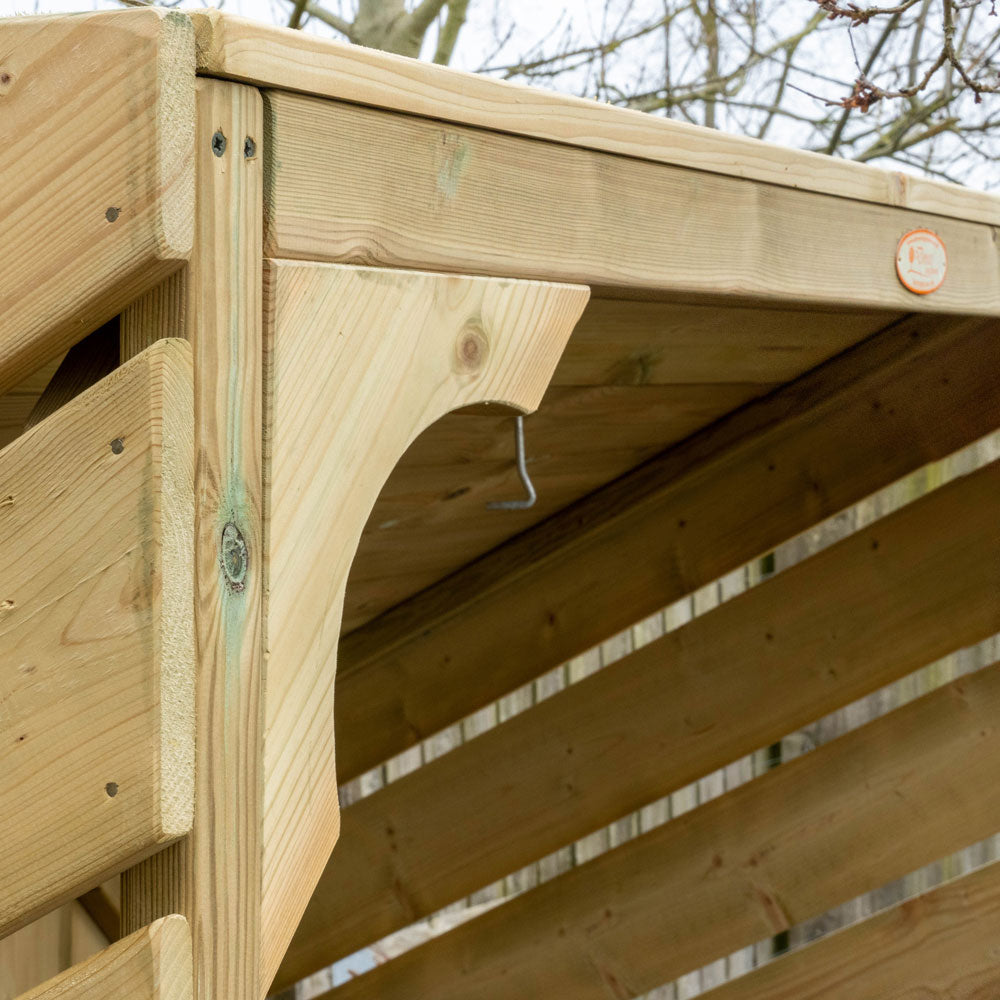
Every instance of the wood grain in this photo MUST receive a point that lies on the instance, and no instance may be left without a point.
(359, 361)
(478, 202)
(635, 343)
(292, 60)
(152, 964)
(842, 820)
(940, 944)
(903, 592)
(96, 124)
(46, 947)
(16, 404)
(910, 396)
(96, 650)
(213, 876)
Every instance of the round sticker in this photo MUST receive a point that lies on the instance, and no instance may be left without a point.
(921, 261)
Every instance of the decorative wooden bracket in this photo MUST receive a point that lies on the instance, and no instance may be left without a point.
(358, 361)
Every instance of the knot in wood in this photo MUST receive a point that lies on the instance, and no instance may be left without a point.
(234, 557)
(472, 348)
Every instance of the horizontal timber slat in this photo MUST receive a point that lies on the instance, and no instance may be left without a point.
(97, 203)
(293, 60)
(903, 592)
(151, 964)
(909, 396)
(940, 944)
(96, 646)
(360, 186)
(627, 342)
(860, 811)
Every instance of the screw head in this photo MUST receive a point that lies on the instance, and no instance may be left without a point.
(249, 148)
(218, 144)
(235, 557)
(112, 214)
(117, 446)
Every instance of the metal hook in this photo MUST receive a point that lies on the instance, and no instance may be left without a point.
(522, 471)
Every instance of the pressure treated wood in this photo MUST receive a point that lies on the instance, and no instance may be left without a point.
(900, 594)
(96, 650)
(292, 60)
(213, 876)
(96, 125)
(635, 343)
(152, 964)
(910, 396)
(822, 829)
(359, 361)
(431, 519)
(362, 186)
(941, 944)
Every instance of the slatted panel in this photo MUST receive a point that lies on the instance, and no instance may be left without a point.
(96, 650)
(901, 593)
(749, 864)
(910, 396)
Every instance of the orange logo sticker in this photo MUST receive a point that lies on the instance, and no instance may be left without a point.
(921, 261)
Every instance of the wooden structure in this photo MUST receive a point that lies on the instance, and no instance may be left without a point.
(268, 305)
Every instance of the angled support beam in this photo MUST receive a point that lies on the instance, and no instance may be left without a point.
(97, 127)
(940, 944)
(906, 397)
(911, 788)
(96, 645)
(152, 964)
(359, 362)
(888, 600)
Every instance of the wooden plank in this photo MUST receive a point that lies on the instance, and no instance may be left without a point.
(292, 60)
(466, 200)
(85, 363)
(213, 876)
(96, 207)
(910, 787)
(96, 651)
(632, 343)
(359, 361)
(910, 396)
(940, 944)
(882, 603)
(152, 964)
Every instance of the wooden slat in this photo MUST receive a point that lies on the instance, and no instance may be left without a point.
(362, 186)
(910, 396)
(152, 964)
(626, 342)
(96, 650)
(46, 947)
(96, 204)
(940, 944)
(862, 810)
(359, 361)
(85, 363)
(213, 876)
(292, 60)
(898, 595)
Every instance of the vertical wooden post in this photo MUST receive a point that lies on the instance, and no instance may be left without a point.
(213, 877)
